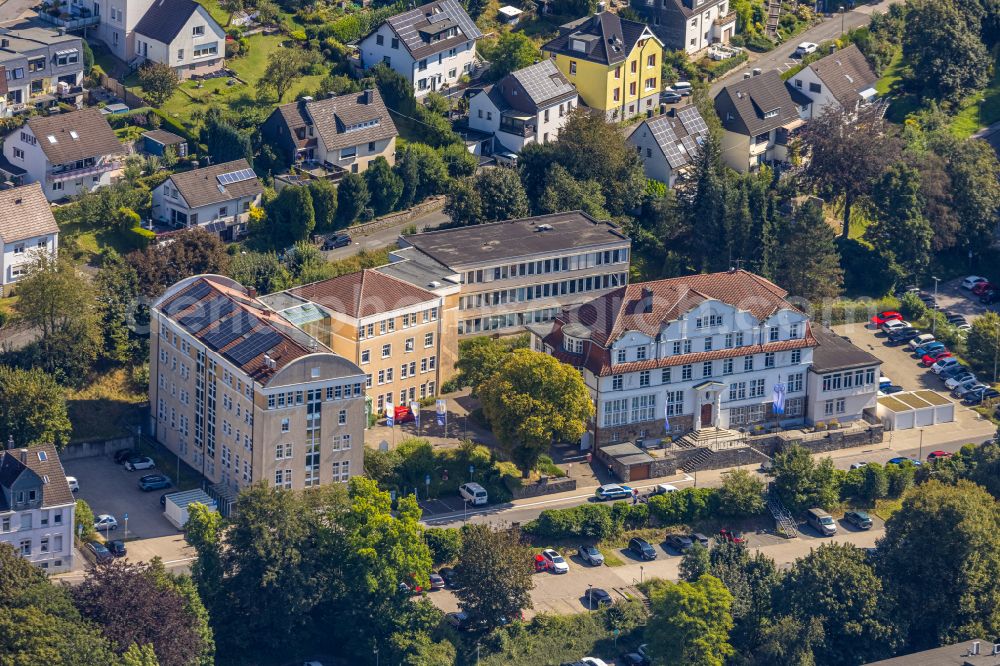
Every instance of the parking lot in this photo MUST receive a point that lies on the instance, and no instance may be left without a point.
(109, 488)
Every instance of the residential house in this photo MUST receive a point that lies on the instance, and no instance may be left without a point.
(217, 198)
(183, 35)
(688, 25)
(975, 651)
(668, 144)
(242, 395)
(524, 271)
(433, 45)
(68, 154)
(843, 379)
(614, 63)
(759, 116)
(37, 507)
(343, 133)
(530, 105)
(392, 329)
(39, 68)
(842, 80)
(685, 354)
(27, 227)
(116, 26)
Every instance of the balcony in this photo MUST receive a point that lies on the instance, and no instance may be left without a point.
(723, 20)
(69, 92)
(70, 174)
(517, 127)
(75, 19)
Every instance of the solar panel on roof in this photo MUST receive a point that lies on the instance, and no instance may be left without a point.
(692, 120)
(542, 81)
(691, 144)
(187, 298)
(235, 176)
(206, 313)
(254, 346)
(666, 138)
(230, 329)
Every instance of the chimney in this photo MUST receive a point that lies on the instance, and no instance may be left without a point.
(975, 644)
(996, 649)
(663, 109)
(647, 299)
(368, 97)
(600, 7)
(251, 292)
(23, 455)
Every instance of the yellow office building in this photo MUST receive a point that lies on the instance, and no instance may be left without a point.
(614, 63)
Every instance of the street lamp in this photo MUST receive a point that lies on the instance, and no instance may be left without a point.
(465, 512)
(843, 13)
(933, 315)
(920, 454)
(590, 596)
(640, 573)
(375, 650)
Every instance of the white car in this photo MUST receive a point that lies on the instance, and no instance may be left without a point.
(555, 562)
(105, 522)
(958, 380)
(593, 661)
(804, 49)
(971, 281)
(859, 464)
(74, 485)
(893, 324)
(143, 462)
(944, 364)
(920, 341)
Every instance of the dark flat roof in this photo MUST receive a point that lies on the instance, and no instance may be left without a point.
(958, 654)
(514, 239)
(836, 353)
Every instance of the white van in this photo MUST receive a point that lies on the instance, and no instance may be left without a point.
(473, 493)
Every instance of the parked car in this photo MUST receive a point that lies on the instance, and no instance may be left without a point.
(887, 315)
(683, 87)
(613, 491)
(955, 318)
(121, 455)
(698, 537)
(963, 392)
(902, 335)
(977, 397)
(105, 522)
(597, 597)
(804, 49)
(634, 659)
(679, 542)
(117, 548)
(944, 364)
(670, 97)
(333, 242)
(890, 389)
(859, 519)
(960, 378)
(139, 462)
(920, 340)
(934, 455)
(459, 621)
(591, 555)
(902, 460)
(554, 562)
(734, 536)
(663, 489)
(859, 464)
(964, 328)
(74, 485)
(450, 578)
(928, 348)
(154, 482)
(821, 521)
(101, 554)
(437, 582)
(982, 287)
(971, 281)
(473, 493)
(930, 359)
(642, 548)
(954, 371)
(895, 325)
(989, 297)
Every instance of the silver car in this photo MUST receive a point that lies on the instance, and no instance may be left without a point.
(590, 555)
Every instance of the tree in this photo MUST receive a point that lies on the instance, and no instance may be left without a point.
(810, 267)
(850, 150)
(422, 171)
(464, 205)
(695, 563)
(901, 232)
(223, 140)
(352, 197)
(690, 623)
(495, 574)
(193, 251)
(563, 192)
(140, 656)
(751, 580)
(284, 68)
(231, 7)
(975, 174)
(260, 270)
(324, 202)
(460, 162)
(117, 298)
(32, 408)
(480, 358)
(741, 494)
(532, 400)
(835, 584)
(289, 218)
(159, 81)
(801, 483)
(958, 567)
(384, 186)
(513, 51)
(706, 209)
(204, 531)
(445, 544)
(83, 520)
(54, 295)
(502, 194)
(947, 59)
(788, 641)
(982, 347)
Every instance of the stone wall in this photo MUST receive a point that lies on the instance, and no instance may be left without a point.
(93, 449)
(544, 487)
(654, 430)
(431, 204)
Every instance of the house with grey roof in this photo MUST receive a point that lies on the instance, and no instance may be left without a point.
(39, 68)
(217, 198)
(759, 116)
(37, 507)
(842, 80)
(433, 45)
(689, 25)
(669, 143)
(27, 227)
(530, 105)
(181, 34)
(344, 133)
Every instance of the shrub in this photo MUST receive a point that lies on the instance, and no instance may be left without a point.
(911, 307)
(139, 238)
(445, 544)
(684, 506)
(84, 521)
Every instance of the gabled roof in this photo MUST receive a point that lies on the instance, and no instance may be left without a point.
(165, 19)
(68, 137)
(417, 28)
(751, 103)
(846, 74)
(43, 461)
(209, 185)
(543, 83)
(349, 120)
(606, 38)
(363, 294)
(678, 134)
(25, 213)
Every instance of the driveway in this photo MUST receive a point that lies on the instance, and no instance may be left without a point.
(386, 236)
(109, 488)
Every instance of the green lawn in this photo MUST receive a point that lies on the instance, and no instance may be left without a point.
(105, 408)
(890, 86)
(220, 15)
(981, 110)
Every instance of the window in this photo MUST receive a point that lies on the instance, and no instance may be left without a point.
(342, 417)
(351, 151)
(685, 372)
(572, 67)
(675, 403)
(828, 408)
(634, 66)
(284, 425)
(706, 369)
(795, 382)
(793, 332)
(18, 154)
(386, 351)
(643, 408)
(380, 40)
(365, 356)
(428, 340)
(631, 87)
(747, 363)
(708, 343)
(769, 360)
(665, 376)
(651, 61)
(640, 353)
(796, 356)
(644, 378)
(198, 30)
(282, 451)
(738, 391)
(26, 547)
(815, 88)
(394, 43)
(650, 83)
(756, 388)
(617, 382)
(408, 345)
(615, 412)
(870, 376)
(283, 479)
(205, 50)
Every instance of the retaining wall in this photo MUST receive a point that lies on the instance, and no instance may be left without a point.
(93, 449)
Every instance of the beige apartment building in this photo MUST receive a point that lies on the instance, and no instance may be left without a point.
(242, 395)
(520, 272)
(392, 329)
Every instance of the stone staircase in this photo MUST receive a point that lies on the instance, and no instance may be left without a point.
(697, 461)
(773, 14)
(784, 523)
(709, 438)
(632, 592)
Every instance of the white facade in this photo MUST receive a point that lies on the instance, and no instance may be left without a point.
(42, 536)
(654, 162)
(18, 256)
(704, 28)
(198, 48)
(484, 116)
(169, 207)
(434, 72)
(58, 181)
(842, 395)
(117, 26)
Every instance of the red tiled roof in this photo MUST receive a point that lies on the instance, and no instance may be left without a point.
(363, 293)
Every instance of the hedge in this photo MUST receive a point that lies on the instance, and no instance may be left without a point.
(594, 521)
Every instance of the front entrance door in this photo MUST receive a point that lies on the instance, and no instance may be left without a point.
(706, 415)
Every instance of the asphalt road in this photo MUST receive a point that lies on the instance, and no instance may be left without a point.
(781, 57)
(386, 236)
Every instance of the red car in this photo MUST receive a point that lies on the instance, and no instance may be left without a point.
(932, 358)
(934, 455)
(981, 288)
(883, 317)
(734, 536)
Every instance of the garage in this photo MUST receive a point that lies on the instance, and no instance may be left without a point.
(915, 409)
